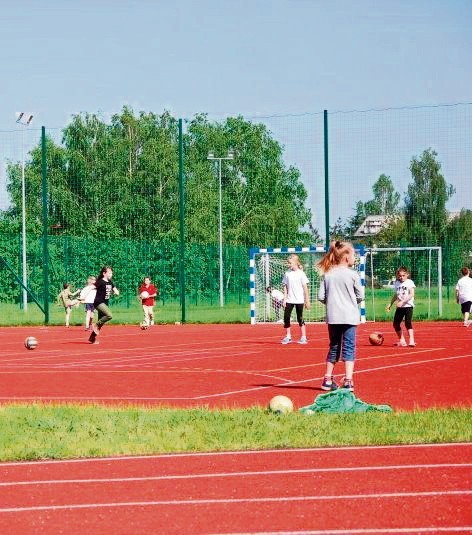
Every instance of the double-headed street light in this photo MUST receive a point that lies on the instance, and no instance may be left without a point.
(229, 156)
(24, 119)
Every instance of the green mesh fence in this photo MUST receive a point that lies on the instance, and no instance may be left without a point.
(395, 178)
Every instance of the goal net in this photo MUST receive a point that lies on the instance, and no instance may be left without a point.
(425, 266)
(266, 271)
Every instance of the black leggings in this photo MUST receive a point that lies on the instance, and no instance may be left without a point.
(288, 313)
(400, 313)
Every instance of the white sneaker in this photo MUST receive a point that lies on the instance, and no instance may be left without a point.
(152, 322)
(286, 340)
(303, 340)
(401, 343)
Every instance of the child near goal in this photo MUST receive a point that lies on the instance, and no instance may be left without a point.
(296, 295)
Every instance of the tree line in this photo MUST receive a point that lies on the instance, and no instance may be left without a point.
(120, 180)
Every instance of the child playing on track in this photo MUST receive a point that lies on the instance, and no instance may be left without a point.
(464, 294)
(295, 284)
(66, 298)
(277, 301)
(404, 297)
(105, 288)
(147, 302)
(341, 291)
(87, 297)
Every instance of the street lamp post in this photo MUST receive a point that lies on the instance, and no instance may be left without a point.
(25, 119)
(229, 156)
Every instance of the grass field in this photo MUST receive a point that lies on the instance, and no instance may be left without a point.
(41, 431)
(232, 312)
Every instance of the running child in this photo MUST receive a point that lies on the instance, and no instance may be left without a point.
(105, 288)
(404, 298)
(341, 291)
(66, 299)
(464, 295)
(296, 294)
(147, 302)
(87, 297)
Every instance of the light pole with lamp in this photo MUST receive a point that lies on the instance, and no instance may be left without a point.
(229, 156)
(24, 119)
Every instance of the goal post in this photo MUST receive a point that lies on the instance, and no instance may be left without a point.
(267, 267)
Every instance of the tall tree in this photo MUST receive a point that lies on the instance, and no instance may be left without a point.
(425, 202)
(386, 201)
(263, 199)
(120, 180)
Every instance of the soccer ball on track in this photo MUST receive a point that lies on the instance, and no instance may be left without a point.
(30, 342)
(376, 339)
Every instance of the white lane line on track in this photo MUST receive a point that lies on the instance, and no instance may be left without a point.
(360, 531)
(364, 359)
(216, 501)
(310, 380)
(220, 394)
(215, 475)
(244, 453)
(172, 356)
(156, 358)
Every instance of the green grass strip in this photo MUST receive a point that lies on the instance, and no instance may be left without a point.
(43, 431)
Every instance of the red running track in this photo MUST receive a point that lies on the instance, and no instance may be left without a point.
(230, 365)
(404, 489)
(396, 489)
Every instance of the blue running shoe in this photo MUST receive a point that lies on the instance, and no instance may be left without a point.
(329, 383)
(348, 385)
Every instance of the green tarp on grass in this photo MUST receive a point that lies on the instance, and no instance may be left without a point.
(341, 401)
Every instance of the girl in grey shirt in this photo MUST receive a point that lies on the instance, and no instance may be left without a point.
(341, 291)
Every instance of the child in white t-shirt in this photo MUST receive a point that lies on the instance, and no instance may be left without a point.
(87, 297)
(296, 295)
(404, 298)
(464, 294)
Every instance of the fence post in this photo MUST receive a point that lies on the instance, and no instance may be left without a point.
(326, 176)
(182, 221)
(44, 194)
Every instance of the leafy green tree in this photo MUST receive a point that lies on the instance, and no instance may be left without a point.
(425, 202)
(120, 180)
(338, 231)
(385, 201)
(458, 245)
(263, 200)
